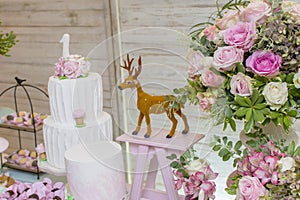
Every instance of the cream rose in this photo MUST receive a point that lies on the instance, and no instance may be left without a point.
(196, 165)
(240, 84)
(297, 80)
(286, 163)
(276, 94)
(229, 19)
(295, 11)
(288, 5)
(256, 12)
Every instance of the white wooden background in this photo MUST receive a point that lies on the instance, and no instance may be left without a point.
(104, 30)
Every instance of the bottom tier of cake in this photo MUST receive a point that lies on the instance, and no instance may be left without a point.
(59, 138)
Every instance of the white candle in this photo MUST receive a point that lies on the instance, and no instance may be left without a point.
(65, 40)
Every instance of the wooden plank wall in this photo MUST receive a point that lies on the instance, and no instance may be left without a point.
(39, 26)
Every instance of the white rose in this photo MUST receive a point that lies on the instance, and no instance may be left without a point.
(286, 163)
(297, 80)
(276, 94)
(196, 165)
(288, 5)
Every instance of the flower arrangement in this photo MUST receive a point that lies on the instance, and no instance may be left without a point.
(265, 169)
(72, 67)
(244, 64)
(194, 175)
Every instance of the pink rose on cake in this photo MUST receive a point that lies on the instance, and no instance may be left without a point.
(72, 67)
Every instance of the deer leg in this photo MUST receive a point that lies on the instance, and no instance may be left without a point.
(184, 119)
(174, 124)
(148, 133)
(138, 127)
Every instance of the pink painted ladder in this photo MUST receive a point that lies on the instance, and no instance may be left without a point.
(156, 149)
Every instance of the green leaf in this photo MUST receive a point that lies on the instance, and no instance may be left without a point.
(252, 143)
(297, 151)
(175, 165)
(238, 145)
(172, 156)
(254, 96)
(223, 152)
(241, 112)
(225, 139)
(274, 114)
(249, 115)
(176, 91)
(260, 106)
(291, 148)
(241, 101)
(240, 67)
(292, 113)
(249, 125)
(217, 147)
(289, 78)
(229, 144)
(232, 124)
(287, 122)
(226, 157)
(258, 116)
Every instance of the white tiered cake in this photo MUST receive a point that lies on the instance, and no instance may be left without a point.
(68, 95)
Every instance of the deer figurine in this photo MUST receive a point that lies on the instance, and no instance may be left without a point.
(148, 104)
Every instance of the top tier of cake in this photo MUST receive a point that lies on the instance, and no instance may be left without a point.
(69, 95)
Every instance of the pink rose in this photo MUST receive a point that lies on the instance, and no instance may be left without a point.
(240, 84)
(210, 32)
(250, 188)
(256, 12)
(264, 63)
(229, 19)
(58, 67)
(198, 63)
(225, 58)
(71, 69)
(205, 101)
(210, 79)
(241, 35)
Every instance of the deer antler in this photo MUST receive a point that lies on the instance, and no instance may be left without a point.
(127, 65)
(139, 69)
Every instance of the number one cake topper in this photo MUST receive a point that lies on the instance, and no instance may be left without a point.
(65, 40)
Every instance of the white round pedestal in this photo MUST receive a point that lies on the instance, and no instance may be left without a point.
(96, 171)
